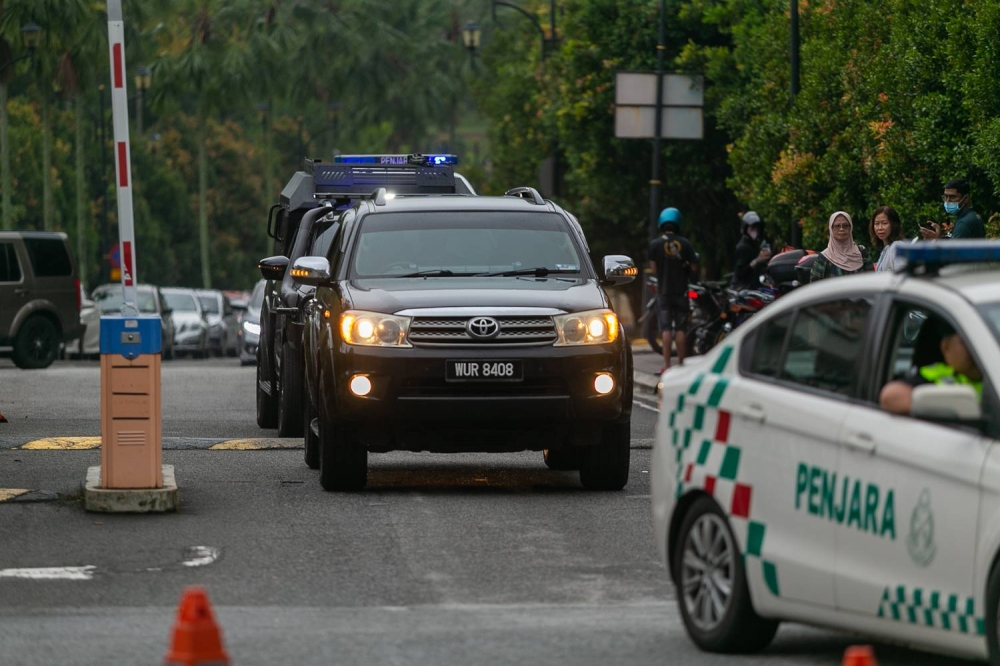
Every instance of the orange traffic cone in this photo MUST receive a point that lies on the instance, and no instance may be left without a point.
(196, 639)
(859, 655)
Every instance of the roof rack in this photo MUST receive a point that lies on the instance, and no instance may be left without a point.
(529, 193)
(928, 257)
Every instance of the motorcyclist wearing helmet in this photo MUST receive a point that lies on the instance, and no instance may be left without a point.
(673, 260)
(752, 253)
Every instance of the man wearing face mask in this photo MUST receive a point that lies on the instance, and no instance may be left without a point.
(968, 223)
(752, 253)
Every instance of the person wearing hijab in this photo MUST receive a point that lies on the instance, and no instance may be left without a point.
(842, 255)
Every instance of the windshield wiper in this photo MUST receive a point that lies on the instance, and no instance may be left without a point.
(537, 271)
(437, 272)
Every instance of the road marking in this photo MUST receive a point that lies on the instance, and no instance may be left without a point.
(63, 444)
(11, 493)
(51, 573)
(200, 556)
(257, 444)
(646, 405)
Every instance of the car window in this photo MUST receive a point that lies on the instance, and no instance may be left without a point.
(324, 239)
(257, 297)
(463, 242)
(991, 313)
(181, 302)
(767, 344)
(825, 345)
(10, 268)
(48, 257)
(209, 303)
(109, 300)
(915, 340)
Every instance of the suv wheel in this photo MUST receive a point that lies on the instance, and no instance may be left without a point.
(343, 460)
(267, 406)
(605, 466)
(562, 459)
(37, 344)
(290, 393)
(311, 437)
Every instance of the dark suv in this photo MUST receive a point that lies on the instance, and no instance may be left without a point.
(40, 296)
(451, 324)
(299, 225)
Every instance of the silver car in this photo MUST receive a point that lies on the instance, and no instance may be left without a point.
(250, 326)
(223, 322)
(190, 325)
(107, 300)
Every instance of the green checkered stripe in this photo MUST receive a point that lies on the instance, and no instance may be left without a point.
(930, 608)
(706, 459)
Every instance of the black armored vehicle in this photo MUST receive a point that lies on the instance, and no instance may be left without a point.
(300, 225)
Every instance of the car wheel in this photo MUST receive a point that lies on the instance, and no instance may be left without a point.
(712, 590)
(562, 459)
(343, 460)
(606, 465)
(993, 615)
(309, 435)
(267, 406)
(36, 344)
(290, 393)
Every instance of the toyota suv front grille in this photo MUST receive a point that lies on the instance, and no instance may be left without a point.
(510, 330)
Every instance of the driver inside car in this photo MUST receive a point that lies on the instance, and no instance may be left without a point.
(957, 367)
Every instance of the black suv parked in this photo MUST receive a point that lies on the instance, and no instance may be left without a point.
(450, 324)
(40, 296)
(298, 223)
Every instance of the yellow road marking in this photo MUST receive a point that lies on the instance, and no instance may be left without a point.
(64, 443)
(256, 444)
(11, 493)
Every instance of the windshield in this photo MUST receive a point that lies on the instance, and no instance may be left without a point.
(991, 313)
(463, 243)
(257, 297)
(110, 300)
(181, 302)
(209, 303)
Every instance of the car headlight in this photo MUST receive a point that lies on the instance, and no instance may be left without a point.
(374, 329)
(594, 327)
(251, 328)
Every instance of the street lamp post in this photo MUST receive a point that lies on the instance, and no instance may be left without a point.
(143, 77)
(32, 33)
(795, 238)
(471, 36)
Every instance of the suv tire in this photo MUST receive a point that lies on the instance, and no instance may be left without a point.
(311, 439)
(37, 343)
(343, 460)
(606, 466)
(562, 459)
(267, 406)
(739, 629)
(290, 393)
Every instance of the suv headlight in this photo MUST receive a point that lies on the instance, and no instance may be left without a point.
(594, 327)
(374, 329)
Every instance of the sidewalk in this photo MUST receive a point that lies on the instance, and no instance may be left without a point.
(646, 366)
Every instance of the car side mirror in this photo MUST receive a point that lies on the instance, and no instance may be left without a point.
(273, 268)
(166, 312)
(313, 271)
(947, 403)
(619, 269)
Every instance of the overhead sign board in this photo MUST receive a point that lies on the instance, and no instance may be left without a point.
(635, 106)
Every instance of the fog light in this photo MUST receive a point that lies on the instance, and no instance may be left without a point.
(604, 384)
(360, 385)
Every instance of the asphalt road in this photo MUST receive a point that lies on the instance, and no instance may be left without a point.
(468, 559)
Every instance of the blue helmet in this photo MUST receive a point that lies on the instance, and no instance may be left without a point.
(670, 216)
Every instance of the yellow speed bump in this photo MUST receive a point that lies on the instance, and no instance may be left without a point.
(257, 444)
(11, 493)
(63, 444)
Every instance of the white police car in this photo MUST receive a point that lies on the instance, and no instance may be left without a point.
(782, 491)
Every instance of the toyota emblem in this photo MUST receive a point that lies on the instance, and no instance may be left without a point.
(483, 328)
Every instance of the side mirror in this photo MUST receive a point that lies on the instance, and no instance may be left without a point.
(166, 312)
(950, 403)
(273, 268)
(619, 269)
(311, 270)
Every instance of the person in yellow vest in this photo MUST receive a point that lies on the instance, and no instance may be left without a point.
(958, 368)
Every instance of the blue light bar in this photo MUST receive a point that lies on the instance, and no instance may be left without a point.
(398, 160)
(929, 256)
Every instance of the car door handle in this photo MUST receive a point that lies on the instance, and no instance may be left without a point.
(754, 413)
(21, 292)
(860, 442)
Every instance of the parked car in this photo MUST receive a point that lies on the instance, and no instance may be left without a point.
(190, 325)
(107, 300)
(40, 296)
(223, 322)
(250, 326)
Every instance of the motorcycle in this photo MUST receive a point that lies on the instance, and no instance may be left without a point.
(719, 310)
(650, 320)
